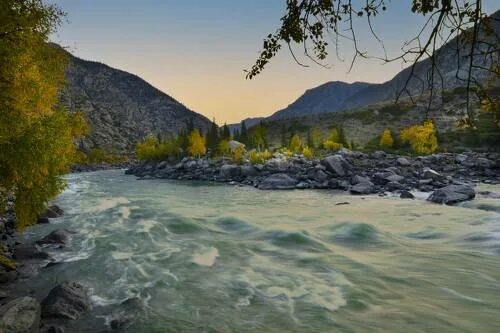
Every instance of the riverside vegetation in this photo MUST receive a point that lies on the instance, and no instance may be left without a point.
(128, 257)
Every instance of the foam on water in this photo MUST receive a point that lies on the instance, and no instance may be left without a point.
(205, 257)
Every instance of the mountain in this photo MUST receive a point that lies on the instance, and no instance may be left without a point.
(452, 61)
(121, 108)
(249, 122)
(328, 97)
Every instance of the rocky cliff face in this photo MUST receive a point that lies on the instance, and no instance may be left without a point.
(120, 107)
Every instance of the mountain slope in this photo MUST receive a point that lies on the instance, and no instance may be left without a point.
(339, 96)
(328, 97)
(121, 108)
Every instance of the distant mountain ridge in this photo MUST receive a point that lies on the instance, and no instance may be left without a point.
(121, 108)
(339, 96)
(328, 97)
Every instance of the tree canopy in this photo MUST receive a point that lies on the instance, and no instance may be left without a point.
(36, 136)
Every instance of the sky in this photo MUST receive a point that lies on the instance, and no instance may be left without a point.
(196, 50)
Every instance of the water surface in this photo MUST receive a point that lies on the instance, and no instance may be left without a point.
(198, 257)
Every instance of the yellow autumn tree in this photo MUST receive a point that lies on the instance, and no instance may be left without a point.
(295, 145)
(237, 154)
(386, 140)
(196, 144)
(422, 138)
(224, 148)
(36, 137)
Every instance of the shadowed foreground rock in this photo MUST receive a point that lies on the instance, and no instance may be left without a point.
(56, 237)
(67, 300)
(21, 315)
(452, 194)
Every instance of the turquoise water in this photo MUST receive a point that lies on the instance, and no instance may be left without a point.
(201, 257)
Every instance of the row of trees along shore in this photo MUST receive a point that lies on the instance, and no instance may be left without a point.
(219, 142)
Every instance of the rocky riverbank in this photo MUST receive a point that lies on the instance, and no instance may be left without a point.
(449, 176)
(25, 313)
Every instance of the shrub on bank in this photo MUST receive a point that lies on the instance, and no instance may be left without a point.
(332, 145)
(259, 157)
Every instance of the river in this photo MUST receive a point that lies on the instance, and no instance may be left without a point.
(205, 257)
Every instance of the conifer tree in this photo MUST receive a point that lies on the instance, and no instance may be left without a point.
(244, 133)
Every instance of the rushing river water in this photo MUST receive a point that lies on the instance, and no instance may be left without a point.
(217, 258)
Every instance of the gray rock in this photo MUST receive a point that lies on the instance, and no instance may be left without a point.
(359, 179)
(302, 185)
(67, 300)
(229, 171)
(403, 161)
(7, 275)
(21, 315)
(380, 178)
(452, 194)
(52, 212)
(394, 178)
(484, 163)
(320, 175)
(460, 158)
(28, 252)
(279, 181)
(432, 174)
(56, 237)
(249, 170)
(393, 186)
(277, 164)
(406, 195)
(379, 154)
(336, 164)
(363, 188)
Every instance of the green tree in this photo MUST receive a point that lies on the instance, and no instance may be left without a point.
(316, 137)
(258, 137)
(36, 137)
(212, 137)
(244, 133)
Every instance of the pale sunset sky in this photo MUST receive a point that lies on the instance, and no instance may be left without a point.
(196, 50)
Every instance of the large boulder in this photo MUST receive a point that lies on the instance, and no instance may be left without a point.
(278, 181)
(336, 164)
(452, 194)
(233, 145)
(29, 252)
(249, 170)
(56, 237)
(365, 187)
(52, 212)
(22, 315)
(229, 171)
(67, 300)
